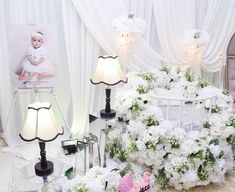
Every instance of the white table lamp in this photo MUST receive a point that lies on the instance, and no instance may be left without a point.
(109, 72)
(41, 124)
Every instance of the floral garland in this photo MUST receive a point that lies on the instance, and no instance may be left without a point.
(175, 157)
(97, 179)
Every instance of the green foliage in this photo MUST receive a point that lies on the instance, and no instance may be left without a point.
(197, 35)
(126, 169)
(165, 69)
(202, 173)
(202, 83)
(207, 125)
(131, 16)
(108, 129)
(136, 108)
(133, 147)
(226, 92)
(150, 121)
(150, 77)
(175, 143)
(231, 140)
(215, 109)
(115, 149)
(142, 90)
(70, 173)
(209, 158)
(178, 70)
(83, 189)
(189, 76)
(183, 168)
(150, 145)
(122, 155)
(231, 121)
(214, 141)
(221, 154)
(162, 179)
(200, 155)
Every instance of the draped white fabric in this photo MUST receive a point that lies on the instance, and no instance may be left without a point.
(82, 52)
(99, 25)
(173, 18)
(219, 23)
(85, 31)
(4, 77)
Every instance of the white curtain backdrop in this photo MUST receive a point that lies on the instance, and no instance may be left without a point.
(173, 18)
(4, 77)
(82, 52)
(144, 10)
(85, 31)
(219, 23)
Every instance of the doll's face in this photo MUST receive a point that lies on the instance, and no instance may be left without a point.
(36, 42)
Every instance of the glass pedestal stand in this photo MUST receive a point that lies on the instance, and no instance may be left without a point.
(25, 180)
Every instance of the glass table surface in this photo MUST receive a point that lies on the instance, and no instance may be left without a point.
(25, 180)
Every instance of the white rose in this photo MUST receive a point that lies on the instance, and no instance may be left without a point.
(140, 145)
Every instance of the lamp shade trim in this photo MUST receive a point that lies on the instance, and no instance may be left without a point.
(96, 83)
(38, 108)
(29, 140)
(108, 56)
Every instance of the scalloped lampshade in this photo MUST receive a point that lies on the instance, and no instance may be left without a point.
(40, 123)
(108, 71)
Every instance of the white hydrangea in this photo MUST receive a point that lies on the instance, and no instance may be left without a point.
(163, 80)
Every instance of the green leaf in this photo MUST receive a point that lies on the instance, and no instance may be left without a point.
(183, 168)
(209, 158)
(174, 143)
(214, 141)
(126, 169)
(231, 139)
(150, 121)
(226, 92)
(200, 155)
(162, 179)
(207, 125)
(202, 173)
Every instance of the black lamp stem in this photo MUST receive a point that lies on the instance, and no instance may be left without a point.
(43, 154)
(107, 113)
(44, 167)
(107, 105)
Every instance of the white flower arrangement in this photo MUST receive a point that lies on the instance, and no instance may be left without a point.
(175, 157)
(97, 179)
(196, 38)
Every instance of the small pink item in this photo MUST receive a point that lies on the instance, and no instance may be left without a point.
(126, 184)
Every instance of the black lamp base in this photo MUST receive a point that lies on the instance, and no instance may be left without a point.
(107, 115)
(44, 171)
